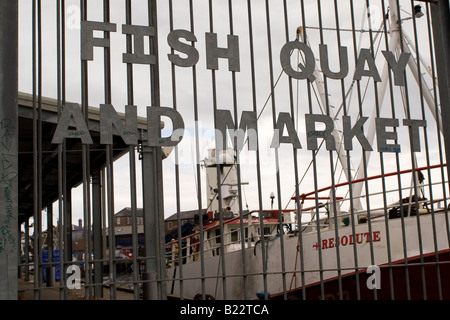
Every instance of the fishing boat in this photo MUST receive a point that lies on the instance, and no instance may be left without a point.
(337, 242)
(275, 253)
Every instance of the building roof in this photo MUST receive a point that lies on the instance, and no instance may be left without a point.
(49, 171)
(189, 214)
(126, 212)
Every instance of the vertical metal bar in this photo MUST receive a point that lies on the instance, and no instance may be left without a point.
(9, 238)
(134, 217)
(97, 230)
(297, 182)
(440, 18)
(440, 13)
(177, 171)
(39, 137)
(365, 154)
(63, 51)
(61, 229)
(86, 212)
(219, 182)
(111, 225)
(86, 166)
(154, 279)
(277, 159)
(255, 109)
(152, 186)
(154, 70)
(35, 164)
(60, 7)
(109, 158)
(438, 126)
(87, 224)
(67, 226)
(238, 165)
(350, 185)
(107, 54)
(377, 106)
(132, 159)
(394, 32)
(413, 162)
(197, 158)
(355, 250)
(109, 161)
(333, 198)
(35, 178)
(386, 217)
(260, 213)
(314, 160)
(105, 227)
(381, 156)
(420, 83)
(296, 177)
(150, 290)
(65, 205)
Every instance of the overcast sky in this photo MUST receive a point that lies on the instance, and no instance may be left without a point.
(184, 87)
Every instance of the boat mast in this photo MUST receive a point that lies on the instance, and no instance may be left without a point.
(227, 181)
(394, 45)
(337, 132)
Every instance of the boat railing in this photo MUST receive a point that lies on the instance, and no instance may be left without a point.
(324, 211)
(191, 247)
(188, 249)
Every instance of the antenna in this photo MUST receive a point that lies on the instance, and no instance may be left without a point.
(272, 196)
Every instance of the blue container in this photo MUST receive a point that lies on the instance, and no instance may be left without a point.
(55, 259)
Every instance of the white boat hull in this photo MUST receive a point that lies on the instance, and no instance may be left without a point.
(318, 254)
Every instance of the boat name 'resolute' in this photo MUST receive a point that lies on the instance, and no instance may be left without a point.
(350, 239)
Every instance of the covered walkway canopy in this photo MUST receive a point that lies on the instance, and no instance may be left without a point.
(73, 168)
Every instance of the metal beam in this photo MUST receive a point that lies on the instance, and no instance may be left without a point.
(154, 276)
(97, 228)
(9, 149)
(150, 191)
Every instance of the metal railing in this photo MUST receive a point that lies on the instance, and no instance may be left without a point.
(317, 81)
